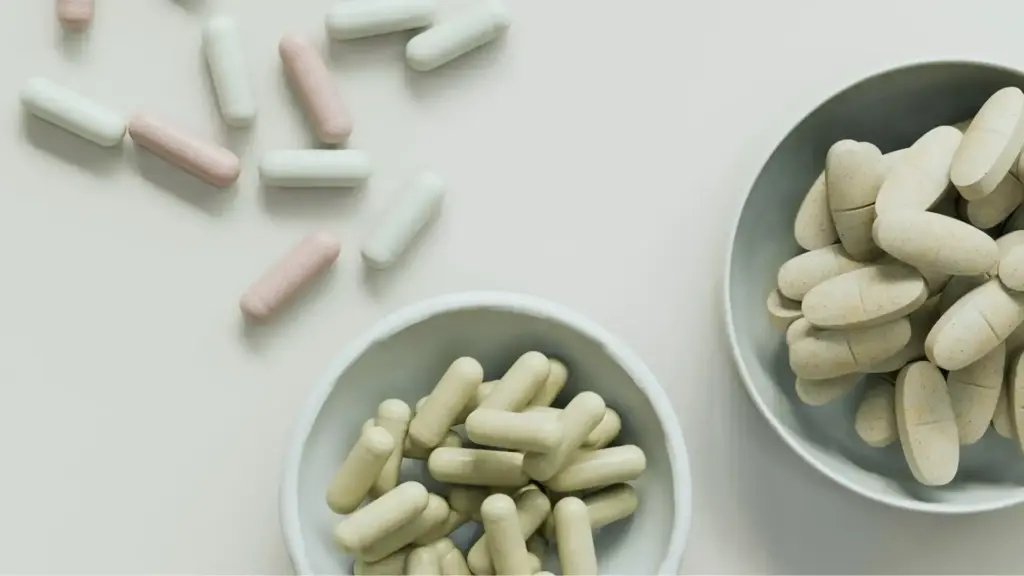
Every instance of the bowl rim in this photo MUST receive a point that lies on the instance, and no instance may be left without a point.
(493, 300)
(745, 376)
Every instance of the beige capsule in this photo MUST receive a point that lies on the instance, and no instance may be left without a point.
(558, 375)
(393, 415)
(875, 420)
(590, 469)
(920, 178)
(532, 508)
(782, 311)
(990, 145)
(574, 538)
(393, 564)
(820, 354)
(821, 392)
(936, 242)
(992, 210)
(974, 326)
(926, 424)
(475, 467)
(359, 470)
(580, 417)
(604, 507)
(443, 529)
(974, 391)
(380, 517)
(433, 515)
(524, 431)
(505, 539)
(422, 561)
(519, 384)
(606, 430)
(417, 452)
(447, 400)
(801, 273)
(869, 296)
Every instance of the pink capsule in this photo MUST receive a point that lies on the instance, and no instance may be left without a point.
(75, 14)
(320, 97)
(313, 255)
(205, 160)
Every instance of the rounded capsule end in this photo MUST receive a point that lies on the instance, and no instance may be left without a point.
(497, 507)
(395, 409)
(378, 441)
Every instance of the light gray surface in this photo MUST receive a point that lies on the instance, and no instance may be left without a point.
(597, 158)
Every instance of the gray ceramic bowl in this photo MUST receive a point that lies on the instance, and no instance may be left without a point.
(891, 109)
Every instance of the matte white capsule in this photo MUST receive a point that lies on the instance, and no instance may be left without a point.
(362, 18)
(225, 58)
(403, 220)
(72, 112)
(314, 168)
(447, 40)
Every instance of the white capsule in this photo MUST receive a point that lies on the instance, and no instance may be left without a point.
(314, 168)
(225, 57)
(525, 431)
(72, 112)
(402, 221)
(448, 40)
(362, 18)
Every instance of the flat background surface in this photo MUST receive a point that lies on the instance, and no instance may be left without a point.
(596, 158)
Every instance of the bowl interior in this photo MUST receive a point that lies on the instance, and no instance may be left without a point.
(407, 364)
(890, 110)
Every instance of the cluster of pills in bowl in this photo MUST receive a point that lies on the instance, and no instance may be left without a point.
(914, 278)
(411, 211)
(530, 473)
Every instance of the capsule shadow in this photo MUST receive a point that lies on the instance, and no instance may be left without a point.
(69, 147)
(451, 76)
(72, 43)
(182, 185)
(256, 335)
(313, 204)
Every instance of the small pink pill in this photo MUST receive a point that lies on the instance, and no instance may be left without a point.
(205, 160)
(313, 255)
(75, 14)
(320, 97)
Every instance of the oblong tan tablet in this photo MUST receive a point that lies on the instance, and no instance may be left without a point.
(1011, 269)
(798, 330)
(957, 288)
(974, 391)
(936, 242)
(853, 174)
(813, 227)
(920, 177)
(974, 326)
(990, 145)
(1002, 419)
(822, 354)
(1015, 398)
(782, 311)
(821, 392)
(875, 420)
(921, 322)
(927, 426)
(866, 297)
(990, 211)
(801, 273)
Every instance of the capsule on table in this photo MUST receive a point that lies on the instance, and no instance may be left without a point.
(359, 470)
(321, 99)
(403, 221)
(505, 539)
(520, 383)
(380, 517)
(574, 538)
(532, 508)
(205, 160)
(477, 467)
(447, 40)
(523, 431)
(580, 417)
(433, 515)
(394, 416)
(594, 468)
(62, 107)
(363, 18)
(75, 15)
(225, 58)
(315, 168)
(447, 400)
(283, 281)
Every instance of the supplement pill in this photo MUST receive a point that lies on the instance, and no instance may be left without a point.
(314, 168)
(606, 430)
(992, 210)
(210, 162)
(453, 563)
(444, 404)
(579, 418)
(75, 15)
(853, 174)
(821, 392)
(505, 539)
(394, 564)
(393, 415)
(604, 507)
(869, 296)
(422, 561)
(447, 40)
(225, 58)
(875, 421)
(312, 256)
(920, 178)
(316, 89)
(558, 374)
(595, 468)
(519, 384)
(466, 500)
(523, 431)
(417, 452)
(532, 508)
(974, 392)
(926, 424)
(477, 467)
(1011, 269)
(935, 242)
(990, 145)
(799, 274)
(817, 354)
(359, 470)
(813, 227)
(974, 326)
(402, 221)
(435, 513)
(574, 538)
(72, 112)
(362, 18)
(782, 311)
(381, 517)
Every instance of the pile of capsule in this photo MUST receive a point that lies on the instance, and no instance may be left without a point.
(914, 276)
(408, 214)
(533, 474)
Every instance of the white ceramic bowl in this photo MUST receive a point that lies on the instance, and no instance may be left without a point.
(403, 356)
(891, 109)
